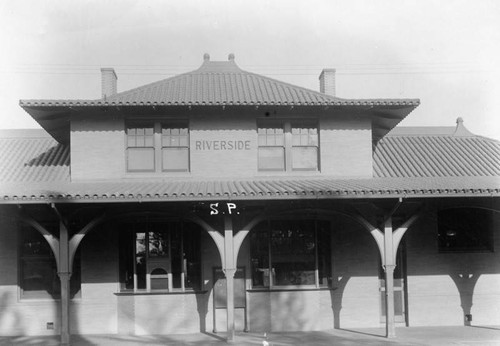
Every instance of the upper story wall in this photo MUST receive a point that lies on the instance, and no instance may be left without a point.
(222, 143)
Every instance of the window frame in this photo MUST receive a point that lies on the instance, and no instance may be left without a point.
(464, 221)
(178, 274)
(49, 258)
(319, 280)
(158, 144)
(288, 126)
(274, 125)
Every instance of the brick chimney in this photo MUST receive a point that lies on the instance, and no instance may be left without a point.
(108, 82)
(327, 81)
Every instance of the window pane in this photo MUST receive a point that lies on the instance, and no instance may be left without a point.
(149, 141)
(176, 254)
(313, 139)
(131, 141)
(262, 140)
(293, 252)
(324, 254)
(140, 259)
(183, 141)
(34, 244)
(158, 244)
(140, 140)
(271, 135)
(280, 139)
(466, 229)
(174, 141)
(175, 159)
(40, 278)
(272, 158)
(259, 248)
(305, 135)
(305, 158)
(141, 159)
(192, 256)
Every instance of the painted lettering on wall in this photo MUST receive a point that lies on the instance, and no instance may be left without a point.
(215, 209)
(222, 145)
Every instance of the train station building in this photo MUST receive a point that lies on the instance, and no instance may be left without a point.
(220, 200)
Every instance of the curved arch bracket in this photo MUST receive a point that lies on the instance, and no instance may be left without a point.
(239, 237)
(76, 239)
(216, 236)
(49, 237)
(376, 233)
(400, 232)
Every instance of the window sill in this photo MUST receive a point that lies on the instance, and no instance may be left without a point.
(288, 289)
(156, 292)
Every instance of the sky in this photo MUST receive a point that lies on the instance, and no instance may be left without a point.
(445, 53)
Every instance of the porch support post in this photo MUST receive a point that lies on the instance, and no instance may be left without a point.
(229, 270)
(389, 278)
(64, 275)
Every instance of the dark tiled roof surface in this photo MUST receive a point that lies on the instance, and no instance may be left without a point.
(33, 159)
(436, 156)
(220, 83)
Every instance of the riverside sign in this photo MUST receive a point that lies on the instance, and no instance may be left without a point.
(222, 145)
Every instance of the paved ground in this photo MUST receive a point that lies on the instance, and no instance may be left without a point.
(475, 335)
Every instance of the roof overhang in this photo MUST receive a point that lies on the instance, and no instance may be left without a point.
(54, 115)
(249, 189)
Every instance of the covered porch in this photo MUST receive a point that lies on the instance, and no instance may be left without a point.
(224, 222)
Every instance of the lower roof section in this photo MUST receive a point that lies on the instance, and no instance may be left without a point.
(249, 189)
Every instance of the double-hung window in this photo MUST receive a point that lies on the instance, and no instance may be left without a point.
(175, 147)
(288, 146)
(158, 146)
(141, 148)
(271, 147)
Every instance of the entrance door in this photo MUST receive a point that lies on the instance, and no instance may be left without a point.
(220, 301)
(400, 289)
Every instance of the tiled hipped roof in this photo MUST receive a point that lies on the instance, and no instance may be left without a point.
(220, 83)
(215, 84)
(404, 165)
(436, 156)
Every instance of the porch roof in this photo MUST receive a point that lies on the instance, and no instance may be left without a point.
(250, 189)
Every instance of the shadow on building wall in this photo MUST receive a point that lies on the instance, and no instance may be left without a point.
(10, 318)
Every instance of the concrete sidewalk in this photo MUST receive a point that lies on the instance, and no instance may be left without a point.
(475, 335)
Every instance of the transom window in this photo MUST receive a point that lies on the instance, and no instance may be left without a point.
(291, 253)
(288, 146)
(158, 147)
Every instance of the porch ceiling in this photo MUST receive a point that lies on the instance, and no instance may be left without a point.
(249, 189)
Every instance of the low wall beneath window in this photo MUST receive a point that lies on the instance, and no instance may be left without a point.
(289, 310)
(161, 313)
(444, 287)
